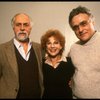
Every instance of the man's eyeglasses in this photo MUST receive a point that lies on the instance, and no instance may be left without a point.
(81, 24)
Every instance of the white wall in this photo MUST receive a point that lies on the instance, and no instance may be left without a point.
(45, 15)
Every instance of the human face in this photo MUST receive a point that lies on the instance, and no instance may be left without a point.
(53, 47)
(22, 27)
(83, 26)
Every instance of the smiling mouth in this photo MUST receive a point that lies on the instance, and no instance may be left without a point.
(54, 50)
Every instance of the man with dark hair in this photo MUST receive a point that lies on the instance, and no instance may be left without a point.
(85, 54)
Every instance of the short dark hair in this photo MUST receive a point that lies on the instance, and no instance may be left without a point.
(77, 11)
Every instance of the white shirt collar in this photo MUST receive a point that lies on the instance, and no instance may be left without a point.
(63, 58)
(21, 50)
(18, 45)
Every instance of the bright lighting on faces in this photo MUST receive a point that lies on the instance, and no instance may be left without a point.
(22, 36)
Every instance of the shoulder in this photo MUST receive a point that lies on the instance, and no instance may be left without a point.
(35, 44)
(68, 59)
(76, 43)
(75, 47)
(6, 44)
(70, 64)
(37, 48)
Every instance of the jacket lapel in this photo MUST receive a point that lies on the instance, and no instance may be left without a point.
(10, 52)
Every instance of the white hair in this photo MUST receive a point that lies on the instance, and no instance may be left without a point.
(13, 19)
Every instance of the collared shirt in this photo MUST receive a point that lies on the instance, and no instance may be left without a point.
(21, 49)
(63, 58)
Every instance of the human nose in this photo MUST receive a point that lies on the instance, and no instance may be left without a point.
(80, 28)
(22, 28)
(52, 45)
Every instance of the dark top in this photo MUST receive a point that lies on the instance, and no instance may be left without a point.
(56, 80)
(28, 76)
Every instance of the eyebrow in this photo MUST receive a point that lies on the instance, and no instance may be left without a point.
(84, 22)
